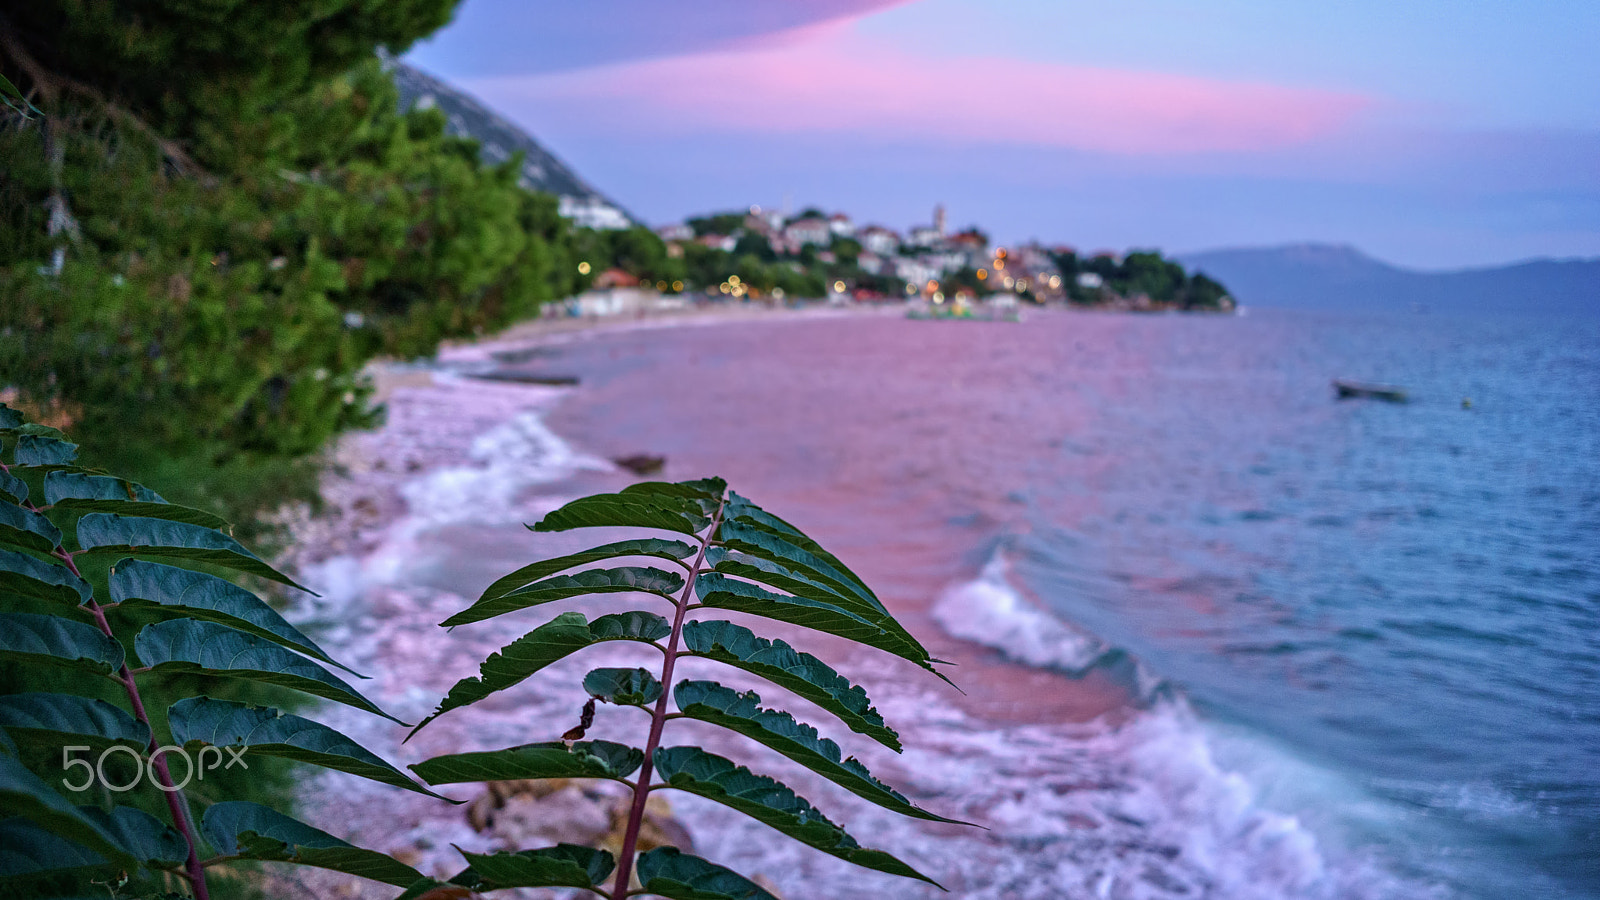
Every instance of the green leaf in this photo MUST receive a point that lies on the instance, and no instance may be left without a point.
(770, 802)
(169, 590)
(30, 577)
(661, 549)
(624, 687)
(741, 712)
(28, 852)
(27, 529)
(13, 487)
(624, 580)
(741, 511)
(56, 718)
(790, 567)
(10, 418)
(198, 721)
(801, 673)
(669, 872)
(39, 450)
(104, 533)
(556, 639)
(253, 831)
(636, 510)
(564, 865)
(718, 591)
(551, 759)
(27, 638)
(24, 794)
(145, 838)
(186, 645)
(708, 490)
(104, 493)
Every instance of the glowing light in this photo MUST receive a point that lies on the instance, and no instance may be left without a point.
(1010, 281)
(733, 280)
(677, 285)
(1022, 285)
(723, 287)
(910, 288)
(583, 268)
(777, 293)
(838, 287)
(933, 285)
(983, 274)
(1055, 281)
(1000, 252)
(938, 296)
(661, 285)
(999, 264)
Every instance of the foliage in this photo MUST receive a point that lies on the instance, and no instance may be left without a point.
(240, 264)
(1142, 273)
(725, 554)
(110, 587)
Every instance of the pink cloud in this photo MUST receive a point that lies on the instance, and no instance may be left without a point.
(828, 80)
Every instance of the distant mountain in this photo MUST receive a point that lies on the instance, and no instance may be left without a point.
(499, 139)
(1326, 276)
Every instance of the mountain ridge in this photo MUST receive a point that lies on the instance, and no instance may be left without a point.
(1339, 276)
(498, 137)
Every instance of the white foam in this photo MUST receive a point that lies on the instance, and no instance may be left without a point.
(989, 610)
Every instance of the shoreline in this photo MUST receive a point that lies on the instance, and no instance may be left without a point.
(1061, 763)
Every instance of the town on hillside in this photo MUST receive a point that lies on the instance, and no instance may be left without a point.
(764, 254)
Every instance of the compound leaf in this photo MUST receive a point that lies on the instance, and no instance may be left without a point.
(26, 795)
(770, 802)
(30, 638)
(105, 493)
(556, 639)
(186, 645)
(43, 450)
(252, 831)
(656, 547)
(13, 487)
(199, 721)
(143, 836)
(31, 577)
(551, 759)
(40, 717)
(741, 712)
(669, 872)
(623, 580)
(624, 687)
(800, 673)
(104, 533)
(169, 590)
(564, 865)
(628, 510)
(27, 529)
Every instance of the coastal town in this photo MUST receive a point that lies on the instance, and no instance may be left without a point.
(767, 254)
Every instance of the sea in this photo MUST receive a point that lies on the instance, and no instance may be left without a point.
(1356, 644)
(1384, 618)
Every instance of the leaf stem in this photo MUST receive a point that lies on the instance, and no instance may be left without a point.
(658, 718)
(177, 803)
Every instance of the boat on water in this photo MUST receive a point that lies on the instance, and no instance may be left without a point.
(1353, 390)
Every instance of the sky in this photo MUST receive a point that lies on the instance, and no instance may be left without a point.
(1429, 133)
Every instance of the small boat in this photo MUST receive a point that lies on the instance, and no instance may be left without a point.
(1351, 390)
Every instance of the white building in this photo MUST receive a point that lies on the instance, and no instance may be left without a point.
(809, 231)
(841, 225)
(925, 236)
(592, 212)
(879, 240)
(870, 263)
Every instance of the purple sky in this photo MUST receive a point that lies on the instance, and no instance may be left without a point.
(1431, 132)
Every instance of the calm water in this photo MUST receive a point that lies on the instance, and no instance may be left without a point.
(1387, 615)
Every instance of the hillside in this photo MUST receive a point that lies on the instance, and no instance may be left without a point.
(499, 138)
(1326, 276)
